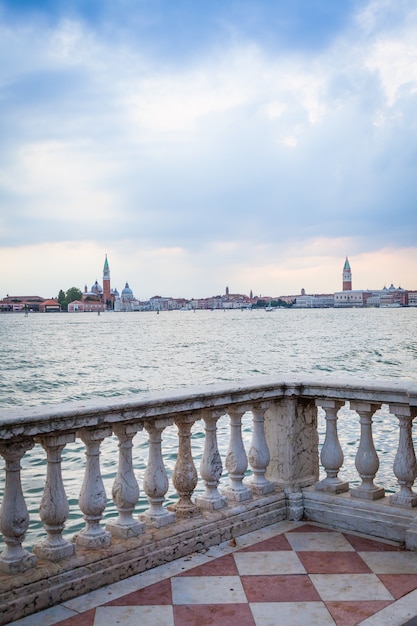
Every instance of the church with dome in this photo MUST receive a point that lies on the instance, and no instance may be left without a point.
(104, 298)
(126, 301)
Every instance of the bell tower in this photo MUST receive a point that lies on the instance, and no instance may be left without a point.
(106, 284)
(347, 276)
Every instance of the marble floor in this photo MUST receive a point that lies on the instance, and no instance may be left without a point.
(289, 574)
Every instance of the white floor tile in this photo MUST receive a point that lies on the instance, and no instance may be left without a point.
(391, 562)
(291, 614)
(134, 615)
(349, 587)
(320, 542)
(266, 563)
(207, 590)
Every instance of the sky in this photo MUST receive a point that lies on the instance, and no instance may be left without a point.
(201, 144)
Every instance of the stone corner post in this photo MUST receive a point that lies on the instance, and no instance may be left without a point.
(292, 439)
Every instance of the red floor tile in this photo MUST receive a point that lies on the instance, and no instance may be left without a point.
(83, 619)
(223, 566)
(361, 544)
(219, 614)
(279, 542)
(352, 613)
(333, 563)
(399, 584)
(159, 593)
(285, 588)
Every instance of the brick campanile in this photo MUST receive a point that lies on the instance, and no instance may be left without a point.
(347, 276)
(106, 284)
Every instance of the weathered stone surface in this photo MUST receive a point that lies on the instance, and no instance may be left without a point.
(90, 569)
(283, 455)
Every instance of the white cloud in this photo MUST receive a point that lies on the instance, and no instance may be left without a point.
(216, 162)
(62, 182)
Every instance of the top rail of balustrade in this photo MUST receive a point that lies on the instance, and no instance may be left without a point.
(71, 416)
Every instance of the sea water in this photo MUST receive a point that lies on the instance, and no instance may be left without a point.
(54, 358)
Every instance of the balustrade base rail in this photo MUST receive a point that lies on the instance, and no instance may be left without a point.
(284, 453)
(378, 519)
(53, 583)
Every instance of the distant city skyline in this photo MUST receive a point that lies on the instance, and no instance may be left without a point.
(250, 144)
(109, 293)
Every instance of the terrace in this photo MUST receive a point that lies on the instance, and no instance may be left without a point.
(278, 469)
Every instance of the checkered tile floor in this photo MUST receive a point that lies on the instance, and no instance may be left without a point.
(290, 574)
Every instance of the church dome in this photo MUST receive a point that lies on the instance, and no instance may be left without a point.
(127, 293)
(96, 288)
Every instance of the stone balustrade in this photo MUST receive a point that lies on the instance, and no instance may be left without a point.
(282, 473)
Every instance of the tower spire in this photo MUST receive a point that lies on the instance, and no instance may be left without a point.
(106, 284)
(347, 276)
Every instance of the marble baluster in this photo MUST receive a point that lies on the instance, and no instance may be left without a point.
(331, 453)
(405, 465)
(184, 476)
(236, 460)
(125, 490)
(14, 514)
(211, 464)
(366, 461)
(258, 456)
(93, 498)
(155, 482)
(54, 508)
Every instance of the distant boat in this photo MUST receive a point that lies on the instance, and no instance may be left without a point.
(269, 308)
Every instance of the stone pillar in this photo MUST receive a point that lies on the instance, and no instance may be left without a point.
(258, 453)
(331, 452)
(405, 465)
(292, 439)
(211, 464)
(54, 509)
(155, 483)
(93, 498)
(125, 491)
(366, 462)
(14, 514)
(236, 459)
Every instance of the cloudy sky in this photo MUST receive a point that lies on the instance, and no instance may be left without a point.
(205, 143)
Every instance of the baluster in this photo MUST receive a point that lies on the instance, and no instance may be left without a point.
(211, 464)
(54, 509)
(184, 476)
(93, 499)
(236, 459)
(155, 483)
(259, 453)
(125, 490)
(14, 514)
(331, 453)
(366, 461)
(405, 465)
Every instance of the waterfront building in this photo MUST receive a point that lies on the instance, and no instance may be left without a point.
(352, 298)
(393, 296)
(34, 304)
(412, 298)
(86, 306)
(127, 301)
(318, 301)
